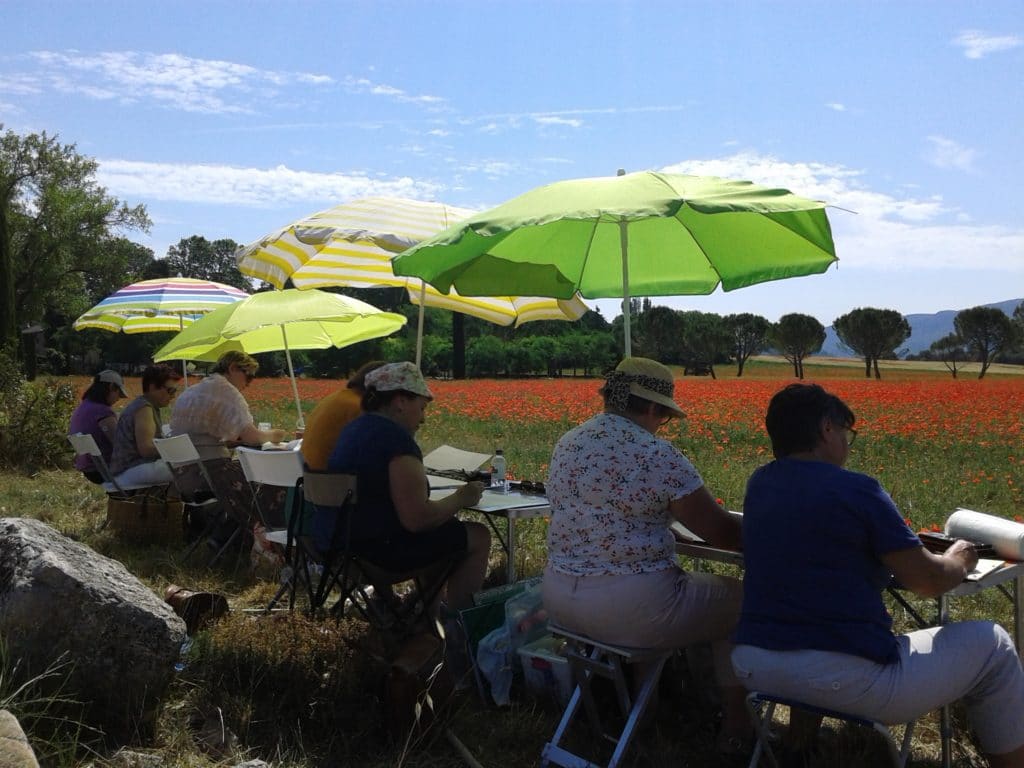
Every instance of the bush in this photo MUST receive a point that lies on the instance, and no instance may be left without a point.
(34, 419)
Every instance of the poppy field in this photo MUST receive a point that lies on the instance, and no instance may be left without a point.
(935, 443)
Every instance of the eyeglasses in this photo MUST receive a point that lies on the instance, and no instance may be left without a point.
(851, 435)
(528, 486)
(171, 390)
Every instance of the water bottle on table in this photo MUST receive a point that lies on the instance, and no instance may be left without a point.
(498, 472)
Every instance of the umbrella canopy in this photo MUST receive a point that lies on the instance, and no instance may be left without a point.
(281, 320)
(352, 245)
(163, 304)
(135, 323)
(638, 234)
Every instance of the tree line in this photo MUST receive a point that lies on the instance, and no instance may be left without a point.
(64, 247)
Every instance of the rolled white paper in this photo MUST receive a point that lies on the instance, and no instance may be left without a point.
(1005, 536)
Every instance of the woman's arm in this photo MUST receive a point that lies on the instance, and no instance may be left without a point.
(927, 574)
(145, 431)
(253, 436)
(407, 482)
(704, 516)
(108, 426)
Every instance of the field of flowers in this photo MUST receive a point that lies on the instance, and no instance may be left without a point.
(934, 442)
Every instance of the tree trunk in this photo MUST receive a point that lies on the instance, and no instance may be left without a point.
(458, 345)
(8, 317)
(739, 367)
(867, 366)
(878, 373)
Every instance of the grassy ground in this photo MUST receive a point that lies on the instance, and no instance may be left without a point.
(298, 693)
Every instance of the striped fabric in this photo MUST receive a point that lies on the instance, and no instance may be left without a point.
(135, 323)
(171, 295)
(352, 245)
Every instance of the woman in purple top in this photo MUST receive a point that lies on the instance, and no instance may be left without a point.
(820, 543)
(95, 416)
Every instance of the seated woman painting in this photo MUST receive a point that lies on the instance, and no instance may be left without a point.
(612, 573)
(215, 415)
(820, 544)
(95, 416)
(135, 460)
(396, 526)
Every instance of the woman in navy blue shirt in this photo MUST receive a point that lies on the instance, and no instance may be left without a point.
(820, 543)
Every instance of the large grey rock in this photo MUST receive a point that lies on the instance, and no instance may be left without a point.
(60, 597)
(15, 751)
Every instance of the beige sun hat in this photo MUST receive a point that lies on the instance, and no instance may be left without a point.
(647, 379)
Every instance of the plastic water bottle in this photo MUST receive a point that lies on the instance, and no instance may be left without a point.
(498, 471)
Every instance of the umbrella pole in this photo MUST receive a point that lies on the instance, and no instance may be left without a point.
(624, 246)
(419, 327)
(184, 364)
(300, 423)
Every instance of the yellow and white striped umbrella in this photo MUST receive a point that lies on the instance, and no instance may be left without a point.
(352, 245)
(135, 323)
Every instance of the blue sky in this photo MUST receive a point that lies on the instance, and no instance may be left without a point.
(231, 119)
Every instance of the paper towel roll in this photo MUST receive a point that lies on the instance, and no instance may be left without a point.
(1005, 536)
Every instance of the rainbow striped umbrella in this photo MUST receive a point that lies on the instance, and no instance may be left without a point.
(352, 245)
(164, 304)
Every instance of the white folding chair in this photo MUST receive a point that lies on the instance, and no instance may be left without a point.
(280, 469)
(85, 444)
(178, 451)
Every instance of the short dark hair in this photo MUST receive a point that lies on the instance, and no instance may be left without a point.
(374, 400)
(156, 376)
(795, 414)
(357, 380)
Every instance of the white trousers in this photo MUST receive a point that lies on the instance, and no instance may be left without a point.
(973, 660)
(150, 473)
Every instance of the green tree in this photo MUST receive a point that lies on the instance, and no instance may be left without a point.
(199, 258)
(872, 334)
(749, 337)
(706, 339)
(56, 224)
(950, 350)
(795, 337)
(987, 332)
(658, 333)
(485, 356)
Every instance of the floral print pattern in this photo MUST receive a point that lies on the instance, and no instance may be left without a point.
(610, 483)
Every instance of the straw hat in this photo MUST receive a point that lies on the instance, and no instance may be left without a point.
(644, 378)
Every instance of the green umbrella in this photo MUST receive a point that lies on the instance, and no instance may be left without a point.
(276, 320)
(637, 234)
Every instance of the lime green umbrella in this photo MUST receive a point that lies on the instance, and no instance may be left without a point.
(274, 320)
(637, 234)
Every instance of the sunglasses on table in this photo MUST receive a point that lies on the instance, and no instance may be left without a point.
(529, 486)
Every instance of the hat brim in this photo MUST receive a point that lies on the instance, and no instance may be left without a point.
(654, 397)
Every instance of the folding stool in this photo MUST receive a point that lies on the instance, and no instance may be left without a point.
(587, 658)
(762, 706)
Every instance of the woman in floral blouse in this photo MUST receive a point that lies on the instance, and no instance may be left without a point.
(612, 572)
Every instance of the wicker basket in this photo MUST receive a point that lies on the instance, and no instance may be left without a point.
(146, 519)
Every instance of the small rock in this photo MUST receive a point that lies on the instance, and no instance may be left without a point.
(253, 764)
(126, 758)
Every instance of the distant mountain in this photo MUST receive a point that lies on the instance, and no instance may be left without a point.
(924, 329)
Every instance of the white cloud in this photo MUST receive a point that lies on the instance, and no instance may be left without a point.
(169, 79)
(877, 230)
(441, 132)
(835, 106)
(363, 85)
(250, 187)
(977, 44)
(556, 120)
(948, 154)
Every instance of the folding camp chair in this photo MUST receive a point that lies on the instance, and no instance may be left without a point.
(179, 452)
(353, 575)
(84, 443)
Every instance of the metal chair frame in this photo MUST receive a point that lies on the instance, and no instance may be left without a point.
(589, 658)
(761, 707)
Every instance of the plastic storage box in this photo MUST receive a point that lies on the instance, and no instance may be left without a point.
(545, 671)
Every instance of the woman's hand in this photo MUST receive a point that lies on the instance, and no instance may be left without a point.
(470, 493)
